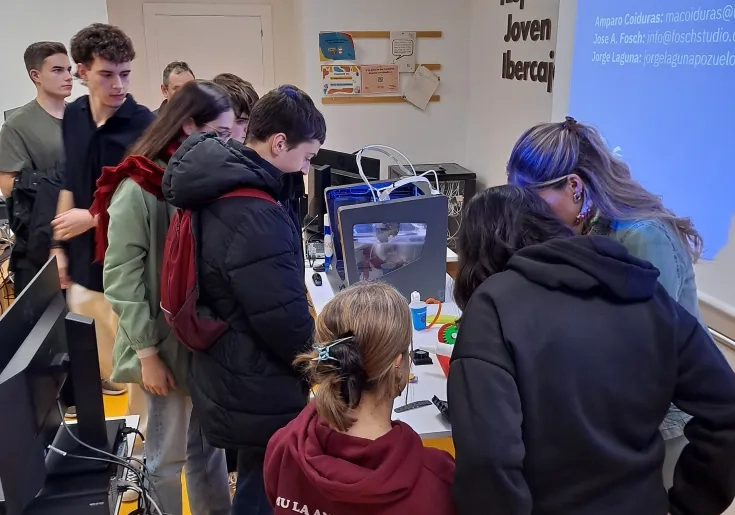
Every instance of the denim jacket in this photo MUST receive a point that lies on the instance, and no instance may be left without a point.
(654, 241)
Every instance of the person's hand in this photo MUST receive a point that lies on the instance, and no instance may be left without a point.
(157, 378)
(62, 264)
(72, 223)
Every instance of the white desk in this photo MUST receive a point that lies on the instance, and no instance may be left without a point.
(426, 421)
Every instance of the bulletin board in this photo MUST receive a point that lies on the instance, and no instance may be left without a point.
(398, 79)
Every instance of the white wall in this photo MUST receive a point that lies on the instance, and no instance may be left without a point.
(128, 15)
(500, 109)
(27, 21)
(438, 134)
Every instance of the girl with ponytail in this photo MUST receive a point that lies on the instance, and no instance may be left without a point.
(343, 454)
(594, 192)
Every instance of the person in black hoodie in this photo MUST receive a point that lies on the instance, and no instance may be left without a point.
(251, 274)
(568, 355)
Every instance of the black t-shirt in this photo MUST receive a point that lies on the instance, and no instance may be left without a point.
(87, 150)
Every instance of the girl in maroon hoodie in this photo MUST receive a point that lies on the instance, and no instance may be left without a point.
(343, 454)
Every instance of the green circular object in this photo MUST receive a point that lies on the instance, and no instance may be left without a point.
(449, 334)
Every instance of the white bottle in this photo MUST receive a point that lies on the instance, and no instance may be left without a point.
(328, 243)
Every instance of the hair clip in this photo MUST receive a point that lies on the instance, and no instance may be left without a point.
(324, 352)
(569, 123)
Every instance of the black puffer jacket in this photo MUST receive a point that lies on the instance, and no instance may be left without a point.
(251, 274)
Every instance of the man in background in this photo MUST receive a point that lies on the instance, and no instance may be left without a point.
(242, 99)
(175, 75)
(97, 129)
(31, 147)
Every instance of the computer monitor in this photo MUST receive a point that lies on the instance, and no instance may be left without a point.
(331, 168)
(319, 179)
(42, 346)
(32, 360)
(347, 162)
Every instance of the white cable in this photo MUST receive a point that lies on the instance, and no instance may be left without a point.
(145, 496)
(57, 451)
(388, 151)
(143, 471)
(436, 176)
(68, 430)
(89, 458)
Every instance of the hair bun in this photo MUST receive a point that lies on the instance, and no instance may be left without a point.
(342, 358)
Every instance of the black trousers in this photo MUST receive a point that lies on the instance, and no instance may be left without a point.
(21, 278)
(231, 460)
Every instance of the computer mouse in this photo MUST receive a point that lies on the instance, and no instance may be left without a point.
(317, 278)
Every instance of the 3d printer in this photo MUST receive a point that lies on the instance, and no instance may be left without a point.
(394, 231)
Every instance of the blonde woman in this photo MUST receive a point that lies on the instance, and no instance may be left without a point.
(592, 190)
(343, 454)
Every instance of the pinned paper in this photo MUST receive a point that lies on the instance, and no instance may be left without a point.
(336, 46)
(341, 79)
(421, 87)
(379, 78)
(403, 51)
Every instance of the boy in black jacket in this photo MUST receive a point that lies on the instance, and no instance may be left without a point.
(97, 130)
(251, 274)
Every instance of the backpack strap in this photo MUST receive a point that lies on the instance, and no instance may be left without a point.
(250, 192)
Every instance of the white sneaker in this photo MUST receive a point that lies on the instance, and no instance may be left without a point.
(130, 495)
(109, 388)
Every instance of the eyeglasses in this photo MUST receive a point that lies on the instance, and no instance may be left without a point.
(223, 134)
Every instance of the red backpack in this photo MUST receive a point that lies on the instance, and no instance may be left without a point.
(179, 281)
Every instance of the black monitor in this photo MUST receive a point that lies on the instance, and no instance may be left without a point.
(42, 346)
(332, 168)
(347, 162)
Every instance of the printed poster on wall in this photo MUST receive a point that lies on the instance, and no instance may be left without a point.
(379, 78)
(403, 51)
(341, 79)
(336, 46)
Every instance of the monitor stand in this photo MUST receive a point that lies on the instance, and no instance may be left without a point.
(57, 465)
(91, 427)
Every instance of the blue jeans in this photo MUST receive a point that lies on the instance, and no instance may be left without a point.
(250, 498)
(174, 441)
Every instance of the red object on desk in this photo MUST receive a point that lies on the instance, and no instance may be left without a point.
(444, 363)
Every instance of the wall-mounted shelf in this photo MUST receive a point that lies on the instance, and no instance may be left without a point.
(385, 34)
(361, 99)
(382, 99)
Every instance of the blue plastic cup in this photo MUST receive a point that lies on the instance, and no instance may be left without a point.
(418, 318)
